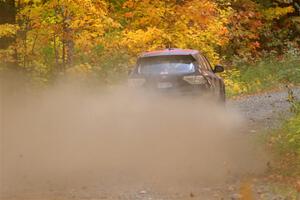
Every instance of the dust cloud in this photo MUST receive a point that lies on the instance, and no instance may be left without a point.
(74, 137)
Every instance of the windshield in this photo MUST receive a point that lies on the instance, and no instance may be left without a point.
(167, 65)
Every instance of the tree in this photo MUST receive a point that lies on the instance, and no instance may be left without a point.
(54, 34)
(172, 23)
(7, 18)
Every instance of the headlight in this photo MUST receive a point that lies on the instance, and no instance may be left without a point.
(195, 80)
(136, 82)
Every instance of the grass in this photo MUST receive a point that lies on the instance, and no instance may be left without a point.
(263, 76)
(285, 191)
(285, 144)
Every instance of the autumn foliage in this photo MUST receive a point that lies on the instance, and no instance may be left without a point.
(102, 38)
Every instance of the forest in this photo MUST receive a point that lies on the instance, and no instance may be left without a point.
(100, 39)
(96, 43)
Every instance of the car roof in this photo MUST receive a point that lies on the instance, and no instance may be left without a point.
(170, 52)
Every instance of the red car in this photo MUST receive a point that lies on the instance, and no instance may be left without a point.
(177, 70)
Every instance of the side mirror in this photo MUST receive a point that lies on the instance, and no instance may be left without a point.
(218, 69)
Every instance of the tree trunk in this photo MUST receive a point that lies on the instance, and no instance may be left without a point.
(55, 51)
(69, 41)
(1, 136)
(7, 16)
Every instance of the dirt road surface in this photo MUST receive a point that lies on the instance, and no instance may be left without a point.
(264, 110)
(261, 112)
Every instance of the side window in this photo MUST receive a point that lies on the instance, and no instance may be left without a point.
(202, 64)
(207, 64)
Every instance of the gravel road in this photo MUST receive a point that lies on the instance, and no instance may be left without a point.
(263, 111)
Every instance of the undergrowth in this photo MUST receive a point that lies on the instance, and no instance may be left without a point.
(285, 142)
(265, 75)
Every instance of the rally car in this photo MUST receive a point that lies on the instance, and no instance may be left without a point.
(180, 71)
